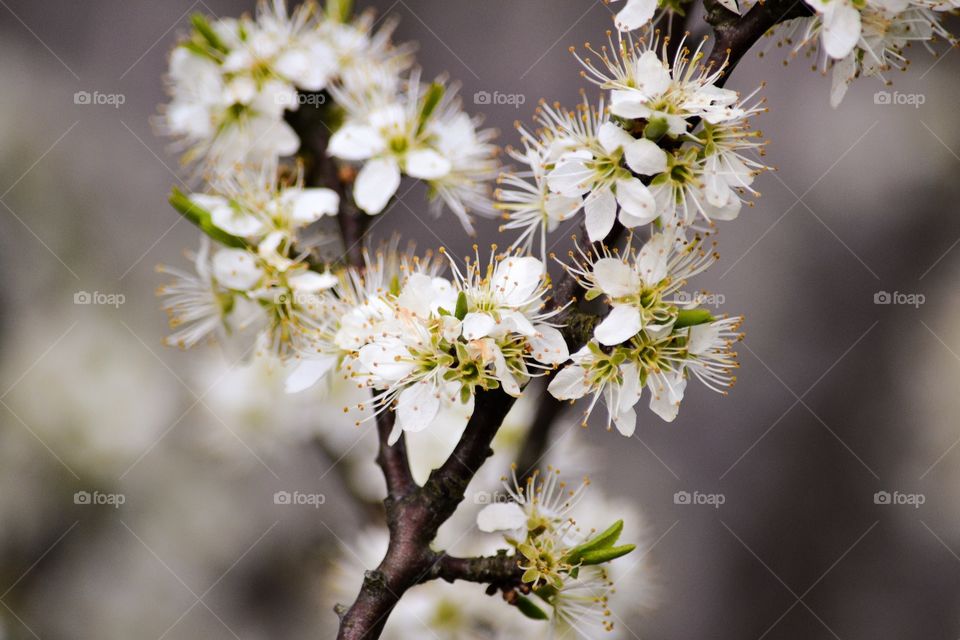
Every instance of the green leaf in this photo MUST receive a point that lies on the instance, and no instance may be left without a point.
(339, 10)
(600, 556)
(202, 25)
(431, 99)
(603, 540)
(692, 317)
(530, 610)
(461, 311)
(201, 217)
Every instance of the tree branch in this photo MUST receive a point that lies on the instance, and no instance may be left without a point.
(500, 570)
(734, 35)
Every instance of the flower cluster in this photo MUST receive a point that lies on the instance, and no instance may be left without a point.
(672, 148)
(235, 84)
(868, 37)
(655, 335)
(258, 276)
(233, 80)
(422, 341)
(562, 563)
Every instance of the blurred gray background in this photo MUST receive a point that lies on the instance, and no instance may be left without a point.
(838, 397)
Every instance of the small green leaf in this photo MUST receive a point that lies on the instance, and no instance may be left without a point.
(692, 317)
(461, 311)
(532, 611)
(600, 556)
(339, 10)
(431, 99)
(201, 218)
(603, 540)
(202, 25)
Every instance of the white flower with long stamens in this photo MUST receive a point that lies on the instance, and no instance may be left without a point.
(543, 501)
(430, 341)
(639, 285)
(659, 361)
(529, 204)
(581, 607)
(254, 205)
(206, 303)
(422, 133)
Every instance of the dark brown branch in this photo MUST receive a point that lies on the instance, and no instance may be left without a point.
(501, 570)
(734, 35)
(413, 520)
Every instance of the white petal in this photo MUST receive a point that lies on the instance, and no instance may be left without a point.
(236, 269)
(600, 209)
(548, 345)
(667, 393)
(652, 77)
(612, 137)
(516, 322)
(615, 277)
(570, 178)
(388, 359)
(312, 282)
(478, 325)
(731, 5)
(622, 323)
(376, 184)
(501, 516)
(559, 208)
(637, 202)
(841, 28)
(312, 204)
(570, 383)
(703, 337)
(844, 72)
(652, 261)
(504, 374)
(516, 279)
(629, 103)
(635, 14)
(355, 142)
(236, 223)
(645, 157)
(427, 164)
(417, 406)
(626, 421)
(308, 372)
